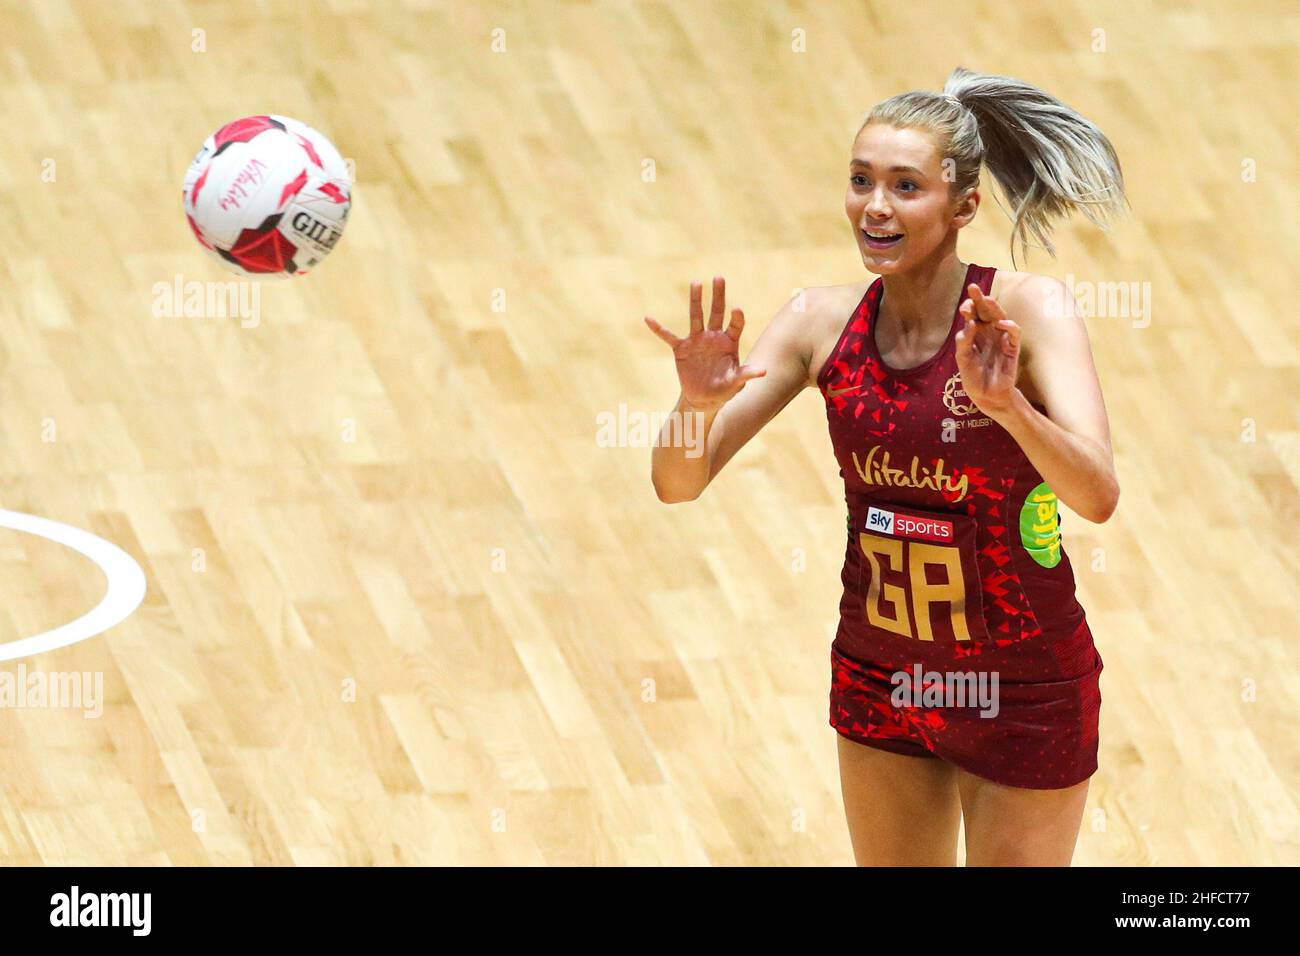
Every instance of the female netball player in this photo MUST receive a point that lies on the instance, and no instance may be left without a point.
(962, 402)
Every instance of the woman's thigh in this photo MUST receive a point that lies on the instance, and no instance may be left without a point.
(901, 810)
(1014, 826)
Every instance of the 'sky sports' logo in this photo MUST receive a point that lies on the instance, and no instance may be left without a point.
(905, 526)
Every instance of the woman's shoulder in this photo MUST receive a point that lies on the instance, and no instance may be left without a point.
(829, 309)
(836, 301)
(1028, 293)
(1008, 282)
(1037, 304)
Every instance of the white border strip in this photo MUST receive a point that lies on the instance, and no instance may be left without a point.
(126, 585)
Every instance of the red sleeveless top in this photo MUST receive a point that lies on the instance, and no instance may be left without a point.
(954, 546)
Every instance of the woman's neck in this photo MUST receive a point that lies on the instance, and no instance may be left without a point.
(919, 301)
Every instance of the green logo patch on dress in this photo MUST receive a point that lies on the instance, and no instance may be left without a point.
(1040, 526)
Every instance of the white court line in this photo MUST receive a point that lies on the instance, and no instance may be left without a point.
(126, 585)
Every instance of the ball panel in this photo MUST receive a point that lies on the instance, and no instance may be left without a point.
(243, 131)
(325, 157)
(261, 251)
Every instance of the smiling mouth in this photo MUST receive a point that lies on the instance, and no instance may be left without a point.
(881, 240)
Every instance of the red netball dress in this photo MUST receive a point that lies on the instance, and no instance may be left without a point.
(954, 574)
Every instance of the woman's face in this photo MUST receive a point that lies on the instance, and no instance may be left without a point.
(897, 187)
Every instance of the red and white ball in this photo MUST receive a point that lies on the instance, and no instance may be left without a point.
(268, 196)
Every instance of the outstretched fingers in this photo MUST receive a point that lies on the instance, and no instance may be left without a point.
(719, 304)
(663, 333)
(737, 324)
(716, 310)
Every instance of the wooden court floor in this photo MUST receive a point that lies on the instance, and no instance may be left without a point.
(409, 604)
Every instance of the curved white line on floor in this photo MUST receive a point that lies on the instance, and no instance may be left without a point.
(126, 585)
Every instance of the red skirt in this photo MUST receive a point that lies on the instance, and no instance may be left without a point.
(1023, 715)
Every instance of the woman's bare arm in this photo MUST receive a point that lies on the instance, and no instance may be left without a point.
(731, 401)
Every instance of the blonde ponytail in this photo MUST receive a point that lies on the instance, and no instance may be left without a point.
(1047, 159)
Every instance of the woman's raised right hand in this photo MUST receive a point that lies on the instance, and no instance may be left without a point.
(708, 360)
